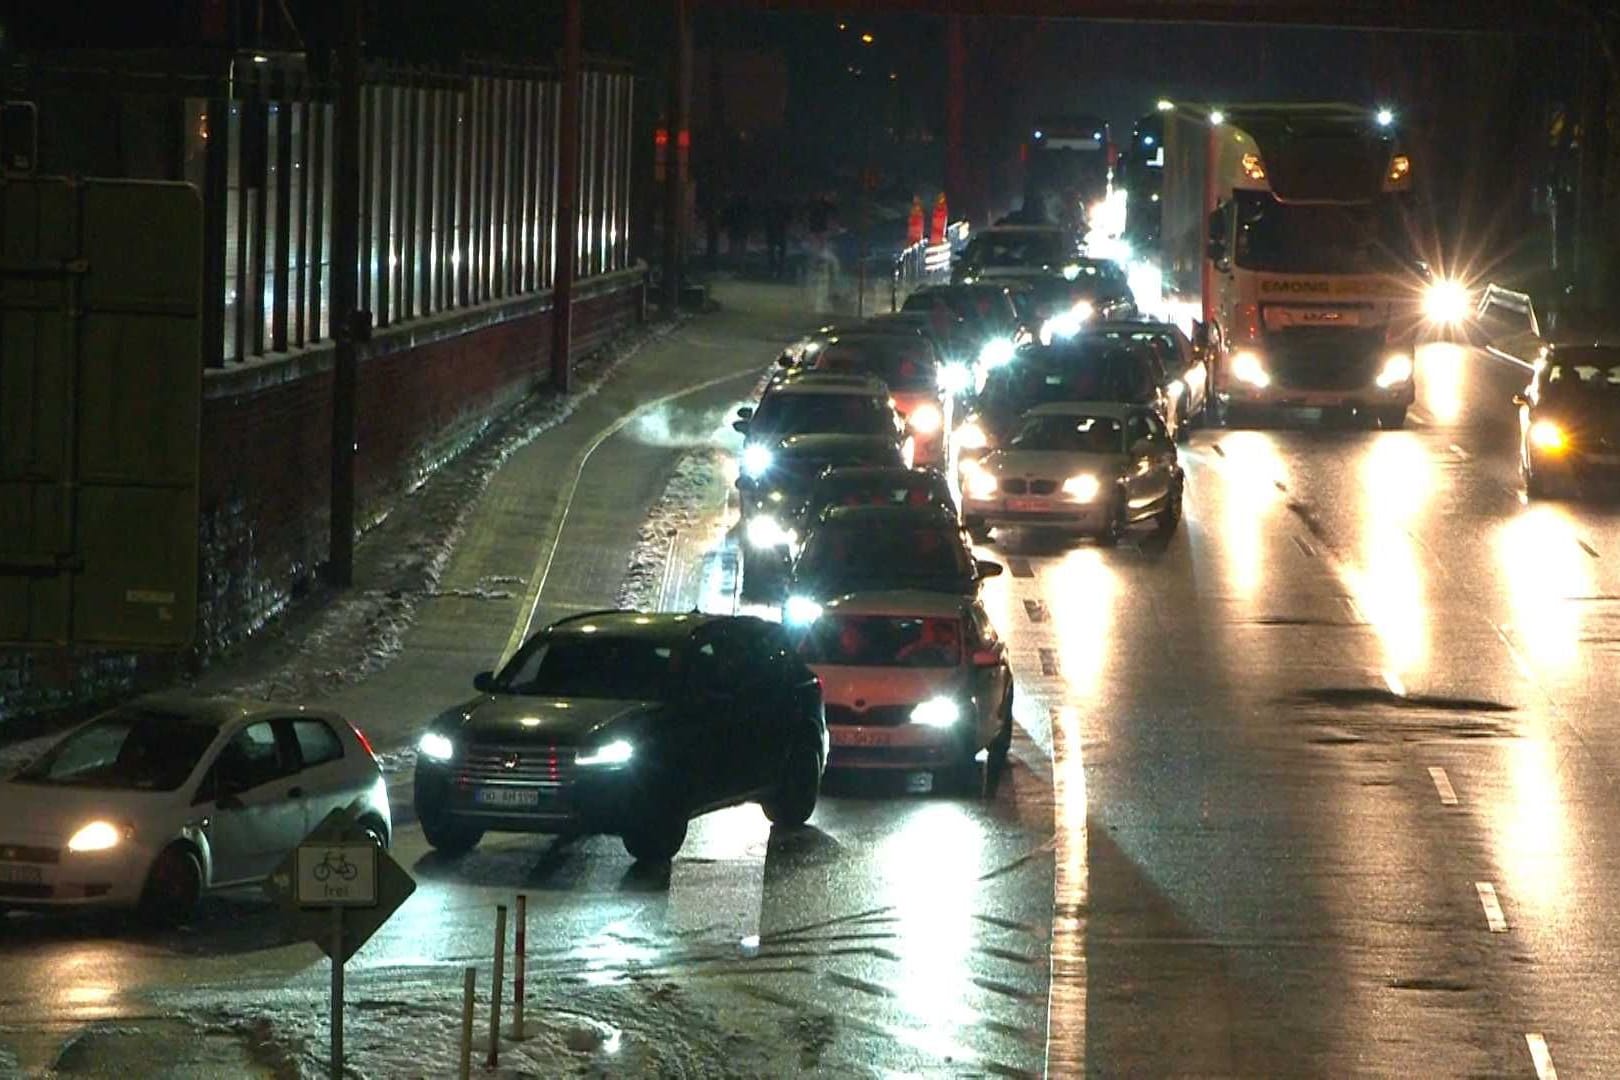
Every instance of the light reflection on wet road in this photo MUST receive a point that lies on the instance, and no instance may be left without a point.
(1221, 849)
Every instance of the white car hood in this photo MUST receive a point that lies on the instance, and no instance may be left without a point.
(1055, 465)
(841, 685)
(50, 813)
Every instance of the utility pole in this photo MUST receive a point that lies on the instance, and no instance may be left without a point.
(346, 319)
(562, 285)
(680, 137)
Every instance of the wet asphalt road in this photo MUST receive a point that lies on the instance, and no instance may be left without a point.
(1322, 787)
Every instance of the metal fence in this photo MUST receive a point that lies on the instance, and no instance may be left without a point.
(458, 175)
(925, 263)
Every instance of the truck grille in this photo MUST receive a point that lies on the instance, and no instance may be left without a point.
(879, 716)
(1326, 359)
(1018, 486)
(540, 766)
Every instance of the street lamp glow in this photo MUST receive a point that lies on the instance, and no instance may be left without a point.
(866, 38)
(1385, 117)
(1217, 117)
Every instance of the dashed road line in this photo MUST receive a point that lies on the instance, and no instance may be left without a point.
(1493, 907)
(1018, 566)
(1442, 784)
(1049, 662)
(1304, 547)
(1036, 610)
(1541, 1056)
(1217, 448)
(1589, 549)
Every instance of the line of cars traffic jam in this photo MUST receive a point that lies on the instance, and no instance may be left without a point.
(1028, 393)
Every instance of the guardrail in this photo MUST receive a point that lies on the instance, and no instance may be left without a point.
(1517, 302)
(1516, 340)
(923, 263)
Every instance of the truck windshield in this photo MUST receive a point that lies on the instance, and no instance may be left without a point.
(1316, 239)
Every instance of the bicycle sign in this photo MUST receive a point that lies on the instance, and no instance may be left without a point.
(341, 874)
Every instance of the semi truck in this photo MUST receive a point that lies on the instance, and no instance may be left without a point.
(1283, 238)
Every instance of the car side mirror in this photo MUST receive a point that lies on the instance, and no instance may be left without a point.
(1520, 400)
(745, 413)
(484, 682)
(988, 568)
(784, 360)
(990, 657)
(740, 426)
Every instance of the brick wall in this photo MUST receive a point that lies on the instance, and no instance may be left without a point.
(425, 391)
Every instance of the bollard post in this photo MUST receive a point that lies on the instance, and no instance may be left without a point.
(519, 948)
(494, 1058)
(469, 982)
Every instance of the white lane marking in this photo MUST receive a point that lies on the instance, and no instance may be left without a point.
(542, 570)
(1460, 452)
(1393, 681)
(1541, 1055)
(1442, 784)
(1492, 906)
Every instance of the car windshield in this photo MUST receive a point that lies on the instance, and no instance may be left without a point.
(1018, 249)
(1587, 372)
(128, 750)
(781, 415)
(904, 363)
(884, 641)
(581, 666)
(1317, 239)
(868, 549)
(1071, 434)
(1081, 375)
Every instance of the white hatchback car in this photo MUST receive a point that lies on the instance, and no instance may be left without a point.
(911, 680)
(157, 802)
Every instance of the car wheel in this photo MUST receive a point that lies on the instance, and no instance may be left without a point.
(449, 837)
(794, 799)
(1534, 486)
(978, 530)
(657, 840)
(1392, 418)
(1170, 517)
(376, 832)
(1114, 531)
(1002, 743)
(173, 887)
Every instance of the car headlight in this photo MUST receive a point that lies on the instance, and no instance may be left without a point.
(764, 531)
(436, 746)
(1082, 488)
(980, 483)
(800, 611)
(96, 836)
(1071, 271)
(756, 461)
(1397, 369)
(955, 378)
(971, 436)
(1446, 302)
(936, 712)
(994, 353)
(926, 418)
(616, 752)
(1247, 367)
(1546, 435)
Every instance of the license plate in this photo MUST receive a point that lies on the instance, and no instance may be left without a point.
(507, 796)
(1027, 504)
(20, 875)
(855, 736)
(919, 783)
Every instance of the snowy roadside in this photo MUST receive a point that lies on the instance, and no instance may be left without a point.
(332, 639)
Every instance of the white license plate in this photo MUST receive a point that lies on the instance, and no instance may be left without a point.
(20, 875)
(855, 736)
(919, 783)
(507, 796)
(1035, 505)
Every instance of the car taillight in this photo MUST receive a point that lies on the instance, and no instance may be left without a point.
(364, 742)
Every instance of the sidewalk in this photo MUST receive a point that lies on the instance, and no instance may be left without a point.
(551, 533)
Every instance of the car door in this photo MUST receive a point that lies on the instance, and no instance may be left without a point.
(258, 811)
(767, 709)
(1139, 482)
(711, 717)
(991, 681)
(328, 778)
(1161, 459)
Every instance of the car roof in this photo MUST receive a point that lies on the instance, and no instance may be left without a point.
(215, 710)
(828, 382)
(1113, 410)
(918, 602)
(857, 472)
(650, 625)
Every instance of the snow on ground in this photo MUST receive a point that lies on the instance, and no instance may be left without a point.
(338, 638)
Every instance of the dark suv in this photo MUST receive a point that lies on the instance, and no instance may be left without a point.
(629, 724)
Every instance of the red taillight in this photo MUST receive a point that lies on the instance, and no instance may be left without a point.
(365, 742)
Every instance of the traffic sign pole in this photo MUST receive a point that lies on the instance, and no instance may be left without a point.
(520, 946)
(496, 987)
(337, 992)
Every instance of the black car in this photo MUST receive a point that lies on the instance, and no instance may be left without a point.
(988, 326)
(874, 486)
(1569, 421)
(1180, 371)
(627, 724)
(773, 498)
(869, 548)
(1077, 369)
(1099, 288)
